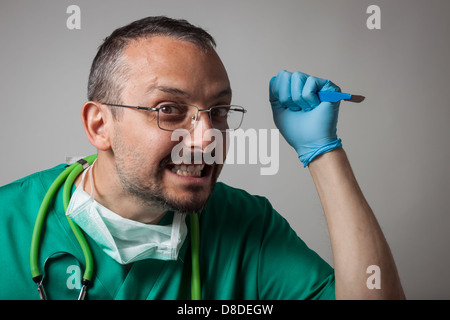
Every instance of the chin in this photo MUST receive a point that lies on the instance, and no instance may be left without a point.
(190, 194)
(191, 201)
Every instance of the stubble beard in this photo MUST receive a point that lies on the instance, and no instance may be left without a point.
(150, 191)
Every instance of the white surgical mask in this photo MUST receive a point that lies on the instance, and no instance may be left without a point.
(125, 240)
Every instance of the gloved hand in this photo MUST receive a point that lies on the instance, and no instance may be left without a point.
(307, 124)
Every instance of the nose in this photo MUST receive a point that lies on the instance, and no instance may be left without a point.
(203, 117)
(202, 126)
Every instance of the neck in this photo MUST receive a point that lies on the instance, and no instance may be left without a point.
(108, 191)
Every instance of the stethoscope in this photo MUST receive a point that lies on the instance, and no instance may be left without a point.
(68, 177)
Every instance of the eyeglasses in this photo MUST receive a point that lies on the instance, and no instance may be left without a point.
(173, 116)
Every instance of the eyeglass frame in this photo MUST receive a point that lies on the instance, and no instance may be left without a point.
(243, 110)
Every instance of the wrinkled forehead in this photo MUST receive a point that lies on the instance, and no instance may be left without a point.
(161, 61)
(170, 53)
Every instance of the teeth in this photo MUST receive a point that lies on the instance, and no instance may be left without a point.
(190, 170)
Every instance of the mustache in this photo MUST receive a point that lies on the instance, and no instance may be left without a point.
(189, 157)
(165, 161)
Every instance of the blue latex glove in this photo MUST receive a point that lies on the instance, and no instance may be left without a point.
(307, 124)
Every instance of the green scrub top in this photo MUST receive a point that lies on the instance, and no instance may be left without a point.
(247, 251)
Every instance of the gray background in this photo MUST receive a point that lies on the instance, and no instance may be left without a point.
(397, 140)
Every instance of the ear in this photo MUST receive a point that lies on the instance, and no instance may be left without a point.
(95, 119)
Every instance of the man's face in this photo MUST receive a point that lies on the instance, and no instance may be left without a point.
(165, 70)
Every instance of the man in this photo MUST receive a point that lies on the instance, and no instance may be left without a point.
(148, 79)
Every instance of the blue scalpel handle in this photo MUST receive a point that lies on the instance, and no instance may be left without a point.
(331, 96)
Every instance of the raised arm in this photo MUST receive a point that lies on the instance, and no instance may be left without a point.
(357, 241)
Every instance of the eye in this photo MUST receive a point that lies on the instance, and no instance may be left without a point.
(172, 109)
(220, 112)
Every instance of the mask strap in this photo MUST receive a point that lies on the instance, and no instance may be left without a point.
(176, 224)
(81, 185)
(91, 180)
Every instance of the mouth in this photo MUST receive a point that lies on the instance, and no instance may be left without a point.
(190, 170)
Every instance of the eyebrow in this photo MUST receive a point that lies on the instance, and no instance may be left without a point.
(170, 90)
(224, 93)
(178, 92)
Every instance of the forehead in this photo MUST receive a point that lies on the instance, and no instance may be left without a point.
(161, 61)
(162, 55)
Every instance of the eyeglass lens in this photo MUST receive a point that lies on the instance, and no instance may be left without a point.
(179, 116)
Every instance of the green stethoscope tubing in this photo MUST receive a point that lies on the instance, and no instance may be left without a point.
(68, 177)
(69, 174)
(89, 270)
(195, 254)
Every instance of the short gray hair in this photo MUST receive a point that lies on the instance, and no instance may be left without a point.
(108, 71)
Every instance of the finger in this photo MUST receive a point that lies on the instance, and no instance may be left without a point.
(283, 89)
(298, 80)
(309, 92)
(273, 98)
(330, 86)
